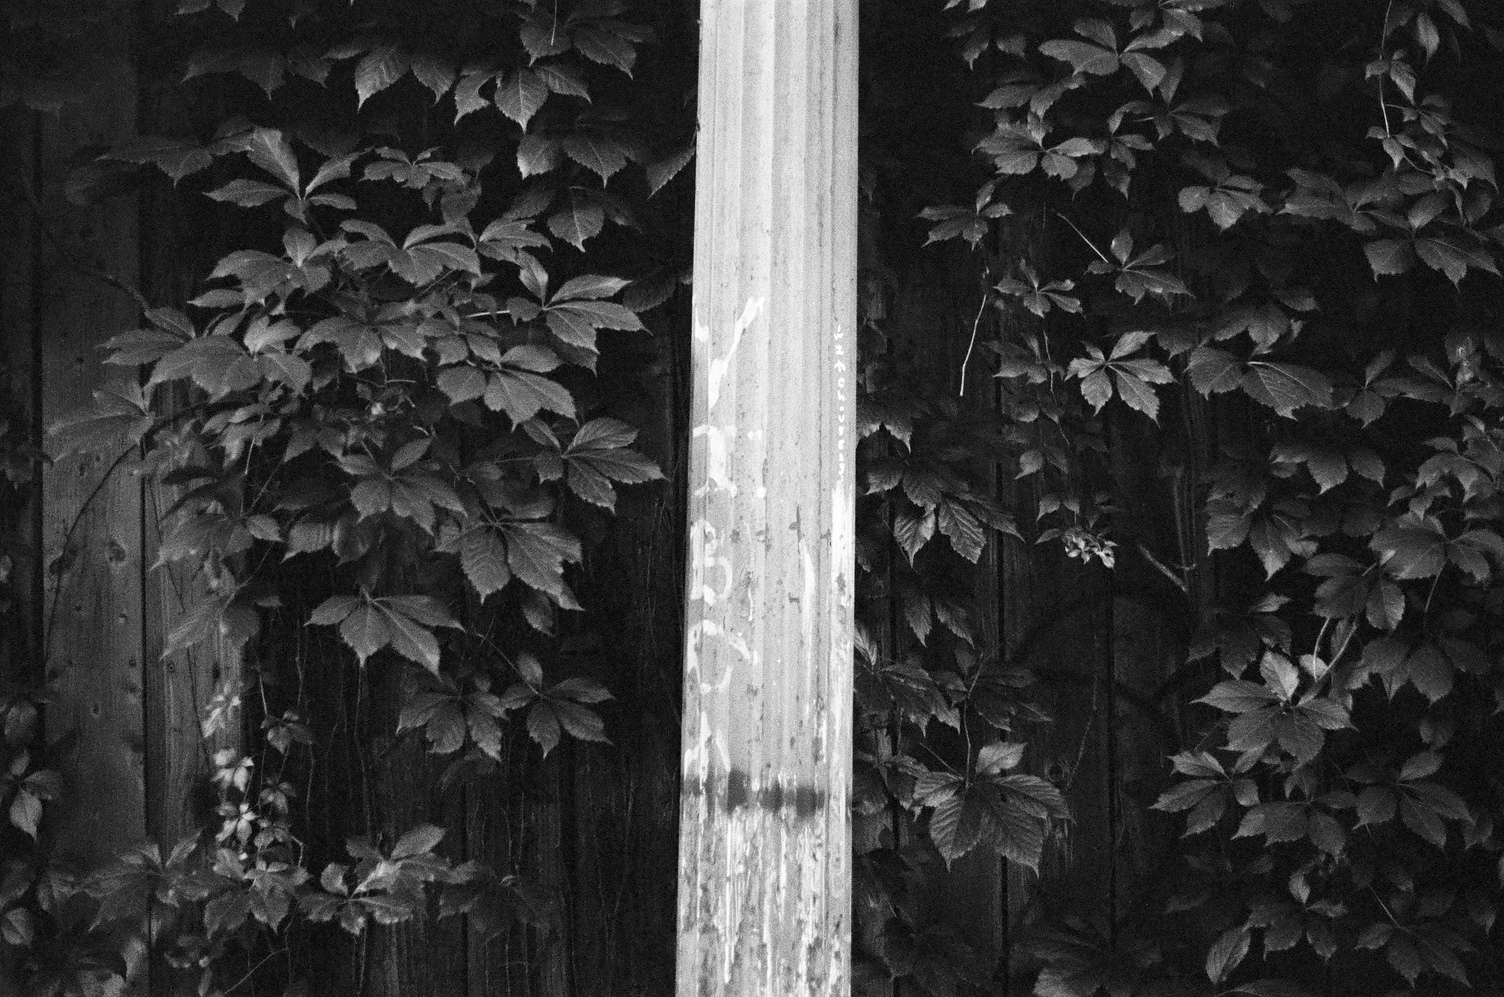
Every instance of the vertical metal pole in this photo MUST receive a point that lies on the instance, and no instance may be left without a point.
(764, 866)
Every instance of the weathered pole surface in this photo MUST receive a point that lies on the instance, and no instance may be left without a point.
(764, 864)
(92, 512)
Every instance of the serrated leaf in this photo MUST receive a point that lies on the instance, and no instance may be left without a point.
(1226, 953)
(537, 552)
(462, 383)
(1286, 387)
(366, 630)
(269, 149)
(409, 638)
(483, 557)
(537, 154)
(421, 839)
(962, 529)
(543, 725)
(589, 286)
(562, 78)
(247, 193)
(521, 95)
(601, 155)
(1083, 57)
(661, 171)
(1213, 371)
(379, 69)
(522, 395)
(580, 219)
(1388, 257)
(913, 528)
(579, 722)
(434, 72)
(25, 813)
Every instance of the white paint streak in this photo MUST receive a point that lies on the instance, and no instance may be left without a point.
(719, 368)
(704, 543)
(718, 447)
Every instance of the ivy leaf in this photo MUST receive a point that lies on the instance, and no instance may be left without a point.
(962, 528)
(1213, 371)
(434, 72)
(913, 528)
(661, 171)
(247, 193)
(599, 154)
(598, 455)
(543, 725)
(1083, 57)
(419, 841)
(537, 154)
(1452, 258)
(589, 287)
(537, 552)
(1415, 547)
(333, 610)
(607, 41)
(467, 98)
(576, 320)
(523, 394)
(1389, 257)
(178, 158)
(562, 78)
(462, 383)
(357, 343)
(1226, 953)
(483, 558)
(955, 827)
(118, 418)
(381, 67)
(1286, 387)
(521, 96)
(1130, 376)
(25, 813)
(269, 149)
(366, 630)
(580, 219)
(409, 636)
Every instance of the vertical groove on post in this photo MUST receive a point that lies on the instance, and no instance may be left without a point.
(764, 881)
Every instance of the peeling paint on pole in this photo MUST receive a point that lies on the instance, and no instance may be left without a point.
(764, 884)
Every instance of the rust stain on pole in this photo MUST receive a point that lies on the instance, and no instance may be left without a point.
(764, 880)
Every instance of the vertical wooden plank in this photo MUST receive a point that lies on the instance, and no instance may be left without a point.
(20, 648)
(91, 529)
(1153, 617)
(764, 874)
(1057, 621)
(422, 956)
(931, 322)
(623, 809)
(178, 687)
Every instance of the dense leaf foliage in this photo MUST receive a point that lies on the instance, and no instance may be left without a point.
(386, 385)
(1274, 219)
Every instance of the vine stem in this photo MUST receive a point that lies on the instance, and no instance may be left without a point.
(252, 971)
(1084, 239)
(72, 262)
(975, 323)
(1383, 36)
(57, 585)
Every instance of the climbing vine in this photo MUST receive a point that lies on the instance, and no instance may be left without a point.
(1257, 241)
